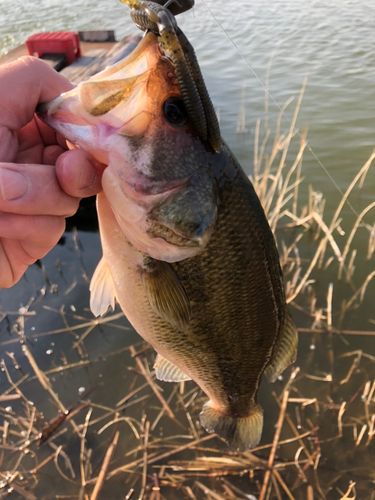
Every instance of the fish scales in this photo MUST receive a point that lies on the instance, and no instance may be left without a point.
(187, 249)
(236, 299)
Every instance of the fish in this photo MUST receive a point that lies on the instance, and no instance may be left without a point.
(187, 249)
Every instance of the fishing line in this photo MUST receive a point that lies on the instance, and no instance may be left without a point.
(280, 109)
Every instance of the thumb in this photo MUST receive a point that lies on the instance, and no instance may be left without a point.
(79, 174)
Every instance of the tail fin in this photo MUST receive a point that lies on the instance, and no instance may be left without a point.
(240, 433)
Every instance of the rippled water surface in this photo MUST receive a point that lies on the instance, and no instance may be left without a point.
(329, 43)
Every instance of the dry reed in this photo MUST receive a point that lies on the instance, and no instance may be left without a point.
(147, 444)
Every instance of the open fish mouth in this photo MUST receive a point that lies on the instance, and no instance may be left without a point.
(133, 117)
(113, 88)
(117, 100)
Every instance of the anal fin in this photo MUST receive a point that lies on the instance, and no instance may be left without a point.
(102, 289)
(168, 372)
(165, 293)
(285, 350)
(240, 433)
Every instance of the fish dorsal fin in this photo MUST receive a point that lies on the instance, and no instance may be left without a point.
(102, 289)
(167, 371)
(165, 293)
(285, 349)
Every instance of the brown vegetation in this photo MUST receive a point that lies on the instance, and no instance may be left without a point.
(319, 423)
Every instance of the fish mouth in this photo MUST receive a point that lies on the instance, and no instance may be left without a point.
(116, 116)
(122, 99)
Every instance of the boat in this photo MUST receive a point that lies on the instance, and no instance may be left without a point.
(75, 54)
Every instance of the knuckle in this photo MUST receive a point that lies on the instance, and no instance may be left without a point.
(31, 62)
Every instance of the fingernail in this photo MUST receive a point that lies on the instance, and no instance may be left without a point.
(13, 185)
(87, 176)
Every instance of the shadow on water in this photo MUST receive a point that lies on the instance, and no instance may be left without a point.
(110, 430)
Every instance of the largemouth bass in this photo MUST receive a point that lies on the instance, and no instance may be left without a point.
(187, 249)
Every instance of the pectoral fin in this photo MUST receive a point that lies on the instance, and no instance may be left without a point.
(166, 294)
(102, 289)
(285, 350)
(167, 371)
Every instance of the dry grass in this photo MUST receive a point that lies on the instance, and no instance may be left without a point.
(147, 443)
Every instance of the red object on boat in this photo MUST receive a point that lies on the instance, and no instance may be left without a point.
(63, 42)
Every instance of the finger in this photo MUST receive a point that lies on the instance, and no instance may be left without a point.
(23, 240)
(12, 262)
(35, 147)
(47, 134)
(33, 189)
(23, 84)
(79, 174)
(51, 154)
(8, 144)
(38, 230)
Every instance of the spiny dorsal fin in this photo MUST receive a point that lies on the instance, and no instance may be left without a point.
(166, 294)
(285, 350)
(102, 289)
(167, 371)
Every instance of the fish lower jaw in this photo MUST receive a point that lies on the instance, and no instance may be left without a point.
(49, 108)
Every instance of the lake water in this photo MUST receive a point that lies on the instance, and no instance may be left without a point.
(329, 42)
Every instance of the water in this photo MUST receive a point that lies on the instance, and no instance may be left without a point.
(331, 43)
(328, 41)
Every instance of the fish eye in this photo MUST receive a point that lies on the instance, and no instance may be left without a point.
(174, 111)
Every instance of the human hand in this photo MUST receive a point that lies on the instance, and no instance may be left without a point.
(41, 182)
